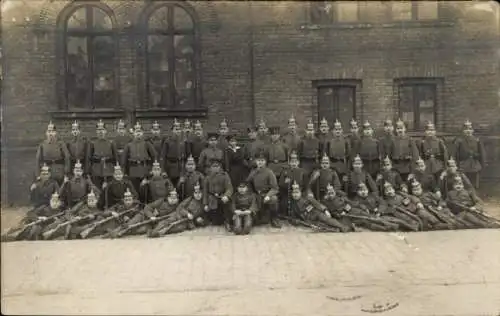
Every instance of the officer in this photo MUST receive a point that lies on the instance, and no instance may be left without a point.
(137, 157)
(356, 176)
(321, 177)
(434, 151)
(405, 151)
(276, 152)
(157, 186)
(77, 147)
(369, 150)
(102, 156)
(53, 153)
(470, 153)
(291, 137)
(244, 209)
(74, 190)
(386, 142)
(189, 177)
(212, 152)
(338, 150)
(223, 133)
(217, 192)
(290, 174)
(309, 149)
(121, 139)
(156, 139)
(174, 153)
(197, 142)
(324, 136)
(42, 188)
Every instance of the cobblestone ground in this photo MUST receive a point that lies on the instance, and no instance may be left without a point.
(271, 272)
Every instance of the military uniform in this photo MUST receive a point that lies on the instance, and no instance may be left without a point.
(404, 153)
(264, 184)
(460, 203)
(356, 177)
(320, 179)
(54, 154)
(338, 149)
(251, 150)
(400, 208)
(324, 136)
(216, 186)
(186, 187)
(156, 187)
(41, 194)
(470, 154)
(243, 202)
(292, 140)
(222, 143)
(195, 145)
(77, 148)
(369, 152)
(211, 153)
(89, 215)
(309, 150)
(434, 152)
(426, 179)
(174, 151)
(121, 140)
(235, 164)
(277, 153)
(438, 207)
(157, 141)
(114, 191)
(371, 212)
(103, 155)
(287, 177)
(337, 204)
(75, 189)
(392, 176)
(447, 178)
(354, 140)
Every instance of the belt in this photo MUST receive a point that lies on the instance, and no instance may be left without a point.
(401, 159)
(278, 161)
(370, 159)
(308, 158)
(54, 161)
(337, 159)
(103, 159)
(138, 162)
(174, 159)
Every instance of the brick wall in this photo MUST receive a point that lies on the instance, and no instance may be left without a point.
(288, 54)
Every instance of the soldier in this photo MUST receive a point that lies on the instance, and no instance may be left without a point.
(386, 142)
(354, 139)
(321, 178)
(338, 149)
(217, 192)
(88, 213)
(434, 151)
(292, 138)
(244, 209)
(309, 149)
(391, 175)
(337, 204)
(137, 157)
(310, 210)
(121, 139)
(262, 131)
(292, 173)
(114, 191)
(54, 153)
(157, 186)
(187, 215)
(405, 151)
(264, 184)
(253, 148)
(324, 136)
(102, 154)
(369, 150)
(470, 153)
(447, 177)
(156, 140)
(75, 189)
(196, 143)
(223, 132)
(41, 190)
(187, 130)
(356, 176)
(399, 207)
(213, 151)
(426, 179)
(174, 153)
(276, 152)
(466, 205)
(189, 178)
(235, 161)
(77, 147)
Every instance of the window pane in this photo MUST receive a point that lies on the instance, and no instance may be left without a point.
(159, 19)
(104, 50)
(102, 21)
(182, 20)
(426, 98)
(406, 105)
(346, 104)
(159, 93)
(401, 10)
(184, 82)
(183, 45)
(427, 10)
(78, 20)
(347, 11)
(321, 12)
(77, 72)
(325, 103)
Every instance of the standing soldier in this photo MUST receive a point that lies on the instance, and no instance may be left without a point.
(102, 154)
(114, 191)
(276, 152)
(386, 142)
(264, 184)
(309, 149)
(405, 151)
(391, 175)
(338, 149)
(75, 189)
(121, 139)
(157, 186)
(217, 191)
(235, 161)
(223, 132)
(213, 151)
(196, 143)
(77, 147)
(53, 153)
(369, 150)
(354, 139)
(188, 179)
(174, 153)
(156, 140)
(292, 173)
(263, 131)
(434, 151)
(292, 137)
(356, 176)
(252, 148)
(324, 135)
(470, 153)
(322, 177)
(41, 190)
(137, 157)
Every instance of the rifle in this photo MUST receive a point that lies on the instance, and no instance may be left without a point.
(48, 234)
(84, 234)
(140, 224)
(165, 230)
(476, 212)
(409, 214)
(23, 229)
(315, 227)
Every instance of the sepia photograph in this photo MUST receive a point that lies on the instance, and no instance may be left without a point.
(250, 158)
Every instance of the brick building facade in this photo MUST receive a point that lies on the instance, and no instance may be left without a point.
(372, 60)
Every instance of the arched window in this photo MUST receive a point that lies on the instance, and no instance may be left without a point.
(170, 56)
(88, 55)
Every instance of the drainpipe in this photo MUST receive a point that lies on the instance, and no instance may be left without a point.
(251, 57)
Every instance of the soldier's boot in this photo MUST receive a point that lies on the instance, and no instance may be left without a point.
(334, 223)
(35, 233)
(7, 238)
(237, 225)
(273, 212)
(247, 224)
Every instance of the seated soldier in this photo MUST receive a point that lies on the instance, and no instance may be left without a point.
(116, 188)
(43, 187)
(425, 178)
(310, 210)
(391, 175)
(74, 190)
(466, 205)
(150, 216)
(217, 192)
(447, 178)
(337, 204)
(187, 215)
(356, 176)
(112, 218)
(157, 186)
(321, 178)
(189, 178)
(290, 174)
(399, 207)
(244, 209)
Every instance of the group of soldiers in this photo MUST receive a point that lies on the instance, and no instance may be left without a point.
(322, 179)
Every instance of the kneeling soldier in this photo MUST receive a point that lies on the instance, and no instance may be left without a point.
(189, 178)
(113, 192)
(391, 175)
(424, 177)
(157, 186)
(244, 207)
(322, 177)
(292, 173)
(448, 177)
(43, 187)
(74, 190)
(357, 176)
(217, 191)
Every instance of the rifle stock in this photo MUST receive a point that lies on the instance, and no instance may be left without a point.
(84, 234)
(48, 234)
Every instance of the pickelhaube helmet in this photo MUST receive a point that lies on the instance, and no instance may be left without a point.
(127, 193)
(310, 125)
(117, 167)
(366, 125)
(196, 187)
(78, 164)
(156, 164)
(419, 160)
(468, 123)
(55, 195)
(388, 122)
(323, 122)
(353, 123)
(387, 185)
(121, 124)
(137, 126)
(430, 126)
(155, 125)
(74, 125)
(325, 158)
(295, 186)
(190, 159)
(400, 123)
(291, 120)
(51, 127)
(337, 124)
(415, 184)
(223, 123)
(100, 124)
(329, 187)
(357, 159)
(44, 168)
(452, 162)
(197, 124)
(387, 160)
(173, 192)
(91, 193)
(187, 123)
(293, 155)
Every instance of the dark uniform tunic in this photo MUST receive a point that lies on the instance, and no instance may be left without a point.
(103, 155)
(446, 183)
(157, 142)
(460, 201)
(174, 151)
(35, 232)
(222, 143)
(370, 155)
(469, 154)
(43, 192)
(392, 176)
(374, 210)
(235, 164)
(404, 154)
(426, 179)
(77, 149)
(55, 154)
(355, 178)
(386, 143)
(156, 188)
(298, 175)
(75, 190)
(113, 194)
(189, 205)
(120, 142)
(309, 153)
(434, 154)
(114, 223)
(355, 144)
(207, 155)
(138, 156)
(264, 183)
(244, 202)
(439, 208)
(217, 185)
(320, 179)
(309, 209)
(186, 188)
(195, 145)
(398, 208)
(292, 140)
(277, 154)
(251, 151)
(85, 211)
(324, 139)
(338, 150)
